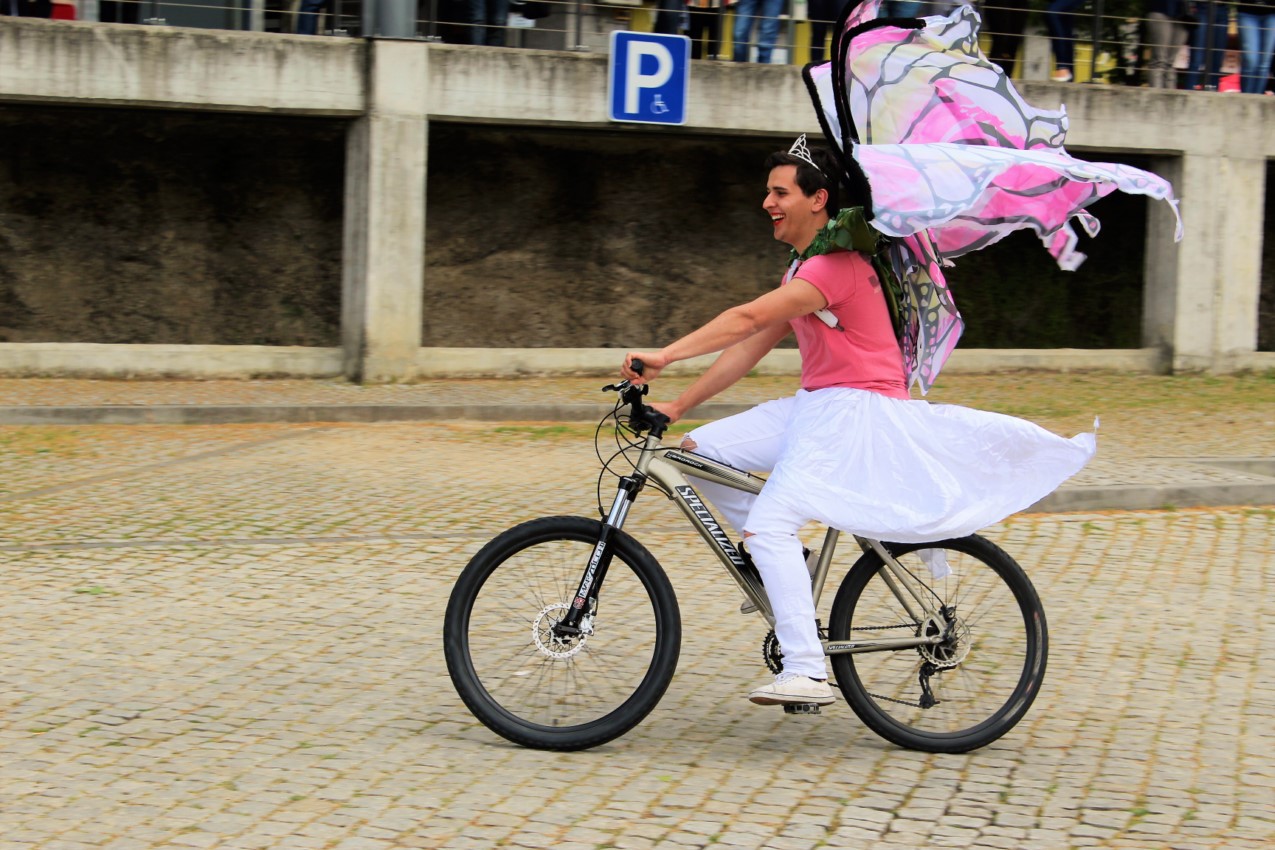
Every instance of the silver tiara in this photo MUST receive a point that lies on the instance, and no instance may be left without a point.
(802, 152)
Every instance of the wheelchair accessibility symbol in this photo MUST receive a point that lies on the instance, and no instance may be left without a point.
(658, 106)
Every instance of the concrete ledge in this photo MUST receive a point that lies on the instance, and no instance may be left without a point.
(93, 360)
(481, 362)
(504, 362)
(1140, 497)
(1249, 465)
(89, 64)
(1256, 361)
(976, 360)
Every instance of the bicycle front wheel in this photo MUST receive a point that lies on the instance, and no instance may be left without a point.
(962, 693)
(538, 688)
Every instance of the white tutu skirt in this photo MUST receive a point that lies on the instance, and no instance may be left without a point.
(911, 471)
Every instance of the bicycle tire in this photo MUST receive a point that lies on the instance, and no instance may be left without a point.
(546, 694)
(984, 678)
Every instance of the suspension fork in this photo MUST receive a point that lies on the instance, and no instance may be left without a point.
(585, 602)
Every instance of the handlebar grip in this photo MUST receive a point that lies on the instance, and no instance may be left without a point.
(637, 365)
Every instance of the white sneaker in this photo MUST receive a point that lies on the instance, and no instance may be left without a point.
(812, 560)
(793, 689)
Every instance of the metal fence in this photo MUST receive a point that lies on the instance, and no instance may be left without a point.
(1086, 44)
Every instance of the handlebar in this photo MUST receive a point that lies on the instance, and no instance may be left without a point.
(642, 417)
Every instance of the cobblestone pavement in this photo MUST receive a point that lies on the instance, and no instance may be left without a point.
(230, 637)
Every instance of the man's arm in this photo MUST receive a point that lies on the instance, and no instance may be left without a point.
(771, 311)
(733, 364)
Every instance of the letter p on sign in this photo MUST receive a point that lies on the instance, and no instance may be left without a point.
(648, 77)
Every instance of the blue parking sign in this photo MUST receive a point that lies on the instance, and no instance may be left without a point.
(648, 77)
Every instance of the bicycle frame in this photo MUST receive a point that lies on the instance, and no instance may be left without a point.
(665, 465)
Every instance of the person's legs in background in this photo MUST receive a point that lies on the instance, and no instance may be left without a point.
(768, 32)
(668, 20)
(120, 12)
(1250, 36)
(1268, 52)
(1270, 74)
(1209, 39)
(497, 20)
(1164, 36)
(1061, 20)
(1257, 44)
(745, 15)
(1006, 24)
(704, 21)
(477, 21)
(823, 14)
(308, 16)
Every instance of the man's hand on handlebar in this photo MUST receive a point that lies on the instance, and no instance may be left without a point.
(649, 367)
(671, 409)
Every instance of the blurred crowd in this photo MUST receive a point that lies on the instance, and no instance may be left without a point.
(1209, 45)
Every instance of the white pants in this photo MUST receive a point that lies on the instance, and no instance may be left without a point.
(756, 440)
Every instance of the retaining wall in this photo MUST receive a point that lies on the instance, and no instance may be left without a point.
(1201, 297)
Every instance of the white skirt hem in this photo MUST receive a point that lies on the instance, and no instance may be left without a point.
(913, 472)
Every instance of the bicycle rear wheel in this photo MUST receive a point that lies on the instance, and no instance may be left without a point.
(542, 690)
(970, 689)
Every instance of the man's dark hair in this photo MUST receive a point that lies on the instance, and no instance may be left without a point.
(811, 179)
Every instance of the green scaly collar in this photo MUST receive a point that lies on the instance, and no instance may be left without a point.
(847, 231)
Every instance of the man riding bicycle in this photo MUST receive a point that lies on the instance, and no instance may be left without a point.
(851, 449)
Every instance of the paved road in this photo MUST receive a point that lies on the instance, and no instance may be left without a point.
(228, 636)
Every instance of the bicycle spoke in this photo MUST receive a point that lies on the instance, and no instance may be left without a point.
(545, 678)
(976, 682)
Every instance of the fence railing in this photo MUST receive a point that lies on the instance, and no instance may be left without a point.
(1086, 43)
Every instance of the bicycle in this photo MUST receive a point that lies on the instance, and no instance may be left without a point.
(563, 633)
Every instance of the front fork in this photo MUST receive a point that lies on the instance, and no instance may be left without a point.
(585, 603)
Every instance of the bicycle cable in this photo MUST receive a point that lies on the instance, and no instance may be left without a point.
(621, 447)
(627, 438)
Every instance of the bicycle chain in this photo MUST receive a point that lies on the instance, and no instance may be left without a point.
(882, 697)
(879, 697)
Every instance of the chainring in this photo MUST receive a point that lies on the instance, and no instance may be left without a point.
(771, 653)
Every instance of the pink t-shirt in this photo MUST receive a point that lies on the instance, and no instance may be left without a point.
(863, 352)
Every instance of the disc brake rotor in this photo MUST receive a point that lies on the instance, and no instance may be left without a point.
(550, 644)
(952, 650)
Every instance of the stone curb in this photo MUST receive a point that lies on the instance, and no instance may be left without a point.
(1150, 497)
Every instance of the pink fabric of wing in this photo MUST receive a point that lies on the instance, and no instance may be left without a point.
(955, 158)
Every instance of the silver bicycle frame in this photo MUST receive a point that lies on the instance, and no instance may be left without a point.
(668, 468)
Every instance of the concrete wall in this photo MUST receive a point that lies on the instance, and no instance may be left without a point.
(1201, 300)
(170, 227)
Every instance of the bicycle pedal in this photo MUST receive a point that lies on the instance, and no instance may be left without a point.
(801, 708)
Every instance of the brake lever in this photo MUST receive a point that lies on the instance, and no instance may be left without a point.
(638, 367)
